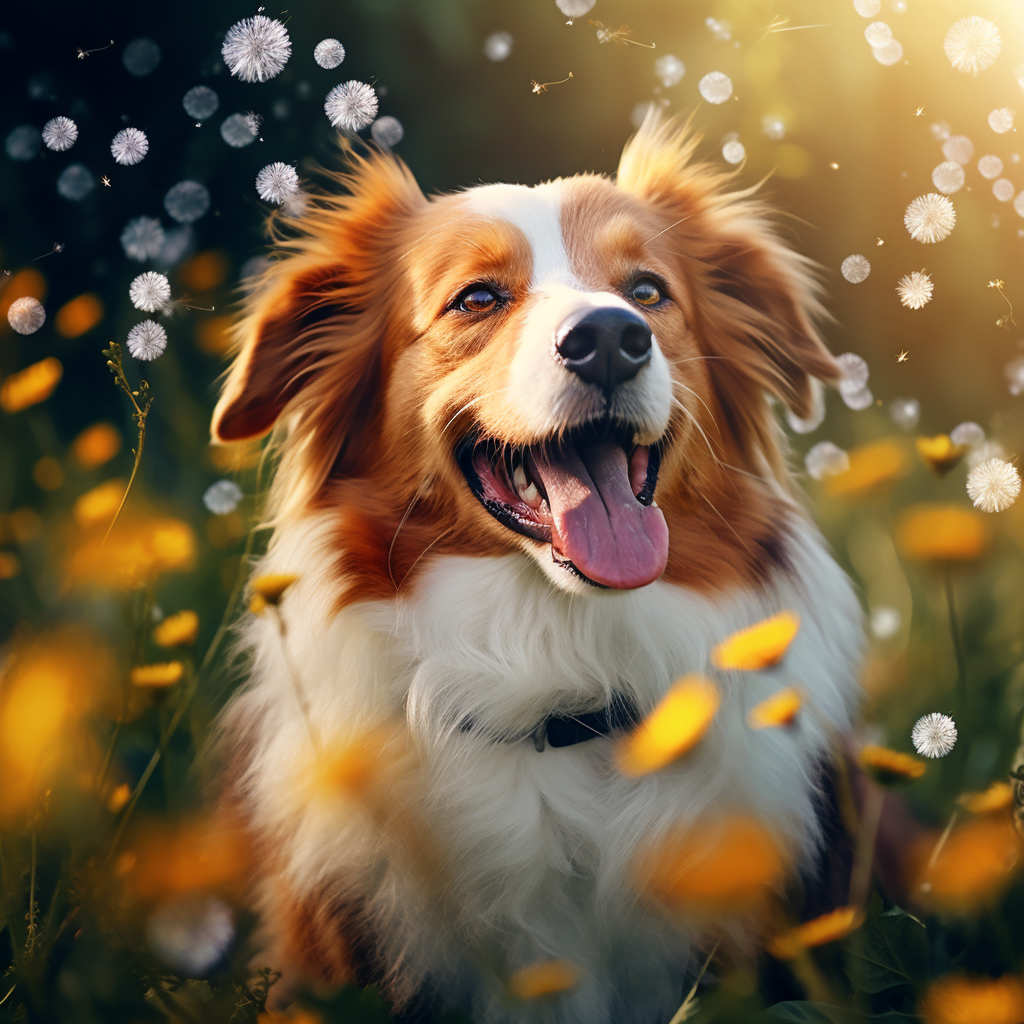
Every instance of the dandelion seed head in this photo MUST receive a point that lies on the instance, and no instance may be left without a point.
(23, 142)
(993, 485)
(854, 372)
(129, 146)
(387, 131)
(141, 57)
(972, 44)
(328, 53)
(191, 933)
(715, 87)
(574, 8)
(855, 268)
(277, 182)
(734, 152)
(958, 148)
(498, 46)
(968, 434)
(934, 735)
(720, 30)
(60, 133)
(1001, 120)
(878, 33)
(773, 127)
(885, 622)
(670, 69)
(990, 166)
(867, 8)
(150, 291)
(256, 49)
(147, 340)
(187, 201)
(858, 400)
(826, 459)
(948, 177)
(351, 106)
(26, 315)
(142, 238)
(1003, 190)
(75, 182)
(888, 54)
(236, 132)
(222, 497)
(200, 102)
(915, 289)
(930, 218)
(905, 412)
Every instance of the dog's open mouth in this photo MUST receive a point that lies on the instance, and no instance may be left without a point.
(589, 495)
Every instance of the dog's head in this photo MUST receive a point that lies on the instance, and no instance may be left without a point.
(579, 370)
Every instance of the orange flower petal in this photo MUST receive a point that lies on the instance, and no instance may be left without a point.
(543, 979)
(177, 630)
(997, 798)
(828, 928)
(30, 386)
(271, 586)
(871, 466)
(159, 675)
(779, 709)
(934, 532)
(758, 646)
(961, 1000)
(888, 766)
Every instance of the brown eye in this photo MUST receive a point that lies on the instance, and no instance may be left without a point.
(478, 299)
(646, 293)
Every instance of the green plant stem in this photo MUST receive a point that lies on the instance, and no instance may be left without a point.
(30, 939)
(860, 883)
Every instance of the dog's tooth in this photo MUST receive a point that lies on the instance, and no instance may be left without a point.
(519, 477)
(531, 495)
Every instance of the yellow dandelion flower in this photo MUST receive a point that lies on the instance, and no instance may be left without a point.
(994, 800)
(97, 506)
(887, 766)
(257, 604)
(759, 646)
(177, 630)
(119, 797)
(673, 728)
(939, 453)
(962, 1000)
(96, 445)
(871, 467)
(779, 709)
(158, 675)
(935, 532)
(543, 979)
(30, 386)
(830, 927)
(271, 587)
(79, 316)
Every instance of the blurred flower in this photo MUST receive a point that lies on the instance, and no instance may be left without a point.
(994, 800)
(958, 148)
(720, 30)
(871, 466)
(137, 552)
(990, 166)
(222, 497)
(205, 271)
(963, 1000)
(271, 587)
(75, 182)
(828, 928)
(885, 622)
(119, 798)
(985, 451)
(97, 506)
(178, 630)
(993, 485)
(855, 268)
(328, 53)
(933, 532)
(1014, 373)
(47, 473)
(778, 710)
(200, 102)
(930, 218)
(141, 57)
(574, 8)
(854, 371)
(759, 646)
(253, 122)
(351, 106)
(972, 44)
(915, 289)
(256, 49)
(826, 459)
(387, 131)
(1001, 120)
(773, 127)
(934, 735)
(147, 341)
(79, 315)
(878, 33)
(23, 142)
(670, 69)
(191, 933)
(150, 291)
(277, 182)
(187, 201)
(142, 238)
(889, 53)
(734, 152)
(948, 177)
(939, 453)
(498, 46)
(967, 433)
(547, 978)
(60, 133)
(858, 399)
(867, 8)
(715, 87)
(675, 726)
(9, 565)
(1003, 190)
(30, 386)
(26, 315)
(158, 675)
(887, 766)
(905, 412)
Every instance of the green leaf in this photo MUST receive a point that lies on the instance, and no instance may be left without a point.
(892, 950)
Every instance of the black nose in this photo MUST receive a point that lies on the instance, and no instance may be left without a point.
(605, 347)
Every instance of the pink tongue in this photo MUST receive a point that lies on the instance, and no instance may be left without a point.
(598, 523)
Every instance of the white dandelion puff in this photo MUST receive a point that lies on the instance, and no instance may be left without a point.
(878, 33)
(773, 127)
(826, 459)
(277, 182)
(147, 340)
(715, 87)
(256, 49)
(1013, 371)
(968, 434)
(26, 315)
(75, 182)
(1001, 120)
(141, 57)
(253, 122)
(854, 372)
(885, 622)
(59, 134)
(351, 106)
(129, 146)
(236, 131)
(855, 268)
(940, 131)
(858, 400)
(142, 238)
(915, 289)
(150, 291)
(990, 166)
(670, 69)
(984, 452)
(734, 152)
(498, 46)
(23, 142)
(905, 412)
(972, 44)
(934, 735)
(930, 218)
(1003, 190)
(889, 54)
(958, 148)
(1018, 203)
(387, 131)
(328, 53)
(200, 102)
(948, 177)
(867, 8)
(191, 933)
(720, 30)
(574, 8)
(187, 201)
(993, 485)
(222, 497)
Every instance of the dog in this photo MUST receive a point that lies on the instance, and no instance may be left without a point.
(530, 473)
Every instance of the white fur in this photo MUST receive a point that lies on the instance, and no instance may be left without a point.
(539, 843)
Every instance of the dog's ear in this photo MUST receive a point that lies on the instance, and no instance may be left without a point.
(756, 298)
(313, 328)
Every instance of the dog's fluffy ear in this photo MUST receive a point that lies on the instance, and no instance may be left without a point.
(756, 298)
(314, 323)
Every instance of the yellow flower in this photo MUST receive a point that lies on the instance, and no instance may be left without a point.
(673, 728)
(759, 646)
(547, 978)
(961, 1000)
(828, 928)
(161, 674)
(30, 386)
(97, 506)
(79, 316)
(134, 555)
(177, 630)
(934, 532)
(887, 766)
(779, 709)
(871, 466)
(939, 453)
(119, 797)
(271, 587)
(96, 445)
(994, 800)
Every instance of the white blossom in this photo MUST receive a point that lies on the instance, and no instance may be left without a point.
(256, 49)
(993, 485)
(888, 54)
(878, 33)
(150, 291)
(26, 315)
(277, 182)
(328, 53)
(1000, 120)
(1003, 190)
(948, 177)
(222, 497)
(934, 735)
(855, 268)
(351, 106)
(867, 8)
(147, 340)
(930, 218)
(60, 133)
(574, 8)
(990, 166)
(973, 44)
(715, 87)
(129, 146)
(734, 152)
(915, 289)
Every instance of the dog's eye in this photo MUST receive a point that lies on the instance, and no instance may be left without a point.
(478, 298)
(645, 292)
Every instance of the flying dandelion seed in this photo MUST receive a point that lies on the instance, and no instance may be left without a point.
(129, 146)
(256, 49)
(773, 127)
(972, 44)
(23, 142)
(498, 46)
(200, 102)
(867, 8)
(905, 412)
(990, 166)
(715, 87)
(930, 218)
(75, 182)
(993, 485)
(142, 238)
(387, 131)
(150, 291)
(720, 30)
(854, 372)
(958, 148)
(26, 315)
(187, 201)
(141, 57)
(878, 33)
(967, 434)
(734, 152)
(826, 459)
(855, 268)
(277, 182)
(948, 177)
(915, 289)
(889, 54)
(885, 622)
(574, 8)
(670, 70)
(1003, 190)
(351, 106)
(328, 53)
(59, 134)
(222, 497)
(236, 131)
(147, 340)
(934, 735)
(1013, 371)
(191, 933)
(1001, 120)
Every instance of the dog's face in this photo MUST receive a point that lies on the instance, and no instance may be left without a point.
(577, 370)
